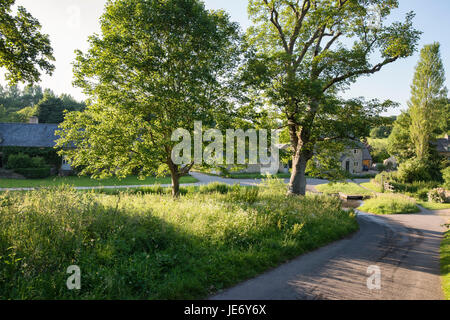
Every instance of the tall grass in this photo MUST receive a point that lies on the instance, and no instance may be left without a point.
(151, 246)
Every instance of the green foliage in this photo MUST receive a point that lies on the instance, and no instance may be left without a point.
(390, 204)
(379, 149)
(18, 105)
(49, 154)
(301, 59)
(157, 66)
(428, 99)
(23, 48)
(399, 142)
(34, 173)
(414, 170)
(51, 109)
(22, 160)
(153, 246)
(29, 167)
(381, 132)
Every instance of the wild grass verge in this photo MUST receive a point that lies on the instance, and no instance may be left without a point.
(151, 246)
(389, 204)
(346, 188)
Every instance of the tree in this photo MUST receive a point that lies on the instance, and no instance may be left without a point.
(51, 109)
(428, 99)
(23, 48)
(158, 65)
(303, 58)
(399, 141)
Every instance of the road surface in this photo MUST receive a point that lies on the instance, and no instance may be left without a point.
(405, 248)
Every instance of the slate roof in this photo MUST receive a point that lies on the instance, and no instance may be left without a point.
(442, 145)
(40, 135)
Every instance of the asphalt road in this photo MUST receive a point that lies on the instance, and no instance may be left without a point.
(405, 248)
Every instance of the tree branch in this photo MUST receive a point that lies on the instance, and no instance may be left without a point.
(376, 68)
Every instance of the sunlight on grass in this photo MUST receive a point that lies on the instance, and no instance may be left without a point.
(151, 246)
(346, 188)
(435, 206)
(389, 204)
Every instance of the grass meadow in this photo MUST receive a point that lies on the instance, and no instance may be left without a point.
(148, 245)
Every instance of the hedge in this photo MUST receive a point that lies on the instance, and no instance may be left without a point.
(34, 173)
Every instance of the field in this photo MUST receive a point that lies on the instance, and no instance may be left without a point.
(87, 182)
(151, 246)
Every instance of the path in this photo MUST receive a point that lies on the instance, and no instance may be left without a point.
(404, 247)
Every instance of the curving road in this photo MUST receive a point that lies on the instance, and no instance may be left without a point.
(404, 247)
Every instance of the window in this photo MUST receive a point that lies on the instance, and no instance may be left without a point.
(356, 164)
(355, 151)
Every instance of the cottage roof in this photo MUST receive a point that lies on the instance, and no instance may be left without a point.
(28, 135)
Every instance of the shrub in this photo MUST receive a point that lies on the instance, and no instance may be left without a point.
(390, 204)
(22, 162)
(19, 160)
(413, 170)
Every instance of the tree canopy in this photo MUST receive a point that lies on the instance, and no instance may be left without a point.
(428, 99)
(156, 66)
(305, 52)
(24, 50)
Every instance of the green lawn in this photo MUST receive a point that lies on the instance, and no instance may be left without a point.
(148, 246)
(390, 204)
(87, 182)
(445, 265)
(346, 188)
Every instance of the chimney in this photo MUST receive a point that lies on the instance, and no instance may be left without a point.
(34, 120)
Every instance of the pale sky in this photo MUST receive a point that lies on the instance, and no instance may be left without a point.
(70, 22)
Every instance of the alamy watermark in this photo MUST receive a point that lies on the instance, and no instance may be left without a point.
(74, 280)
(374, 17)
(221, 151)
(374, 279)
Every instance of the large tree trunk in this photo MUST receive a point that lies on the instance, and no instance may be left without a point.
(175, 185)
(175, 174)
(297, 184)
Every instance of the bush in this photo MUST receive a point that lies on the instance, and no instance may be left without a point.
(34, 173)
(21, 160)
(413, 170)
(390, 204)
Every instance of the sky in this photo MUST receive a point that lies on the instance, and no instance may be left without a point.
(69, 23)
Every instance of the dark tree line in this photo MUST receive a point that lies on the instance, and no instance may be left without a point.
(18, 105)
